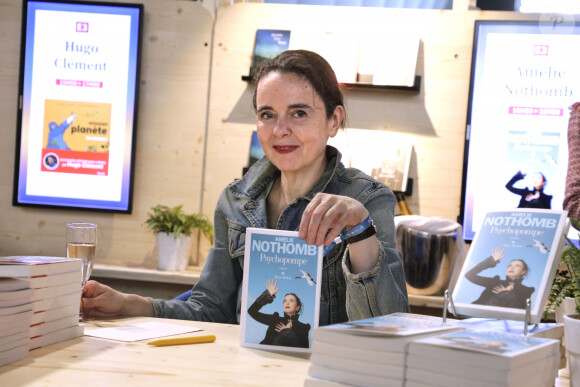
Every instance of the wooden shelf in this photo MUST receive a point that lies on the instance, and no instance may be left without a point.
(186, 277)
(415, 88)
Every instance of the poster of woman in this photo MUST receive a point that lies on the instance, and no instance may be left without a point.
(512, 259)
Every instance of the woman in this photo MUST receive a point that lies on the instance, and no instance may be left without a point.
(509, 293)
(300, 185)
(286, 330)
(535, 198)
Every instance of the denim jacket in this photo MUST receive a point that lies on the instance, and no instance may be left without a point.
(344, 296)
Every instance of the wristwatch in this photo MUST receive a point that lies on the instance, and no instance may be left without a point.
(367, 233)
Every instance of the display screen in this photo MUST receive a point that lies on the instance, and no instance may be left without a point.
(79, 78)
(524, 78)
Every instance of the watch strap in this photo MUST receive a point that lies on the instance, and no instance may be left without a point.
(367, 233)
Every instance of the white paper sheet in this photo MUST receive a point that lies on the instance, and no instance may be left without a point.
(140, 331)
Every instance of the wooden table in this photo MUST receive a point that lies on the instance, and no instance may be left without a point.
(89, 361)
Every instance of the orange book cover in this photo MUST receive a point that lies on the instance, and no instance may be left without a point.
(76, 137)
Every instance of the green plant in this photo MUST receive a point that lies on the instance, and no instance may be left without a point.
(175, 221)
(567, 280)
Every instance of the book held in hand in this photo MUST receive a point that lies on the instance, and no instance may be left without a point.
(513, 257)
(281, 290)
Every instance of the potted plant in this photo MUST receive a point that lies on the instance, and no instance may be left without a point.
(566, 286)
(174, 232)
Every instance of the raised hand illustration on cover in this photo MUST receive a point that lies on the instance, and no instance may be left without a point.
(56, 132)
(509, 292)
(286, 329)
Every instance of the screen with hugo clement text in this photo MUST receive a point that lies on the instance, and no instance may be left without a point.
(524, 77)
(77, 113)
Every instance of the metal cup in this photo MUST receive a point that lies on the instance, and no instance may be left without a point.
(428, 259)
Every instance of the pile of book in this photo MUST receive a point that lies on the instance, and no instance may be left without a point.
(482, 358)
(415, 350)
(369, 352)
(39, 303)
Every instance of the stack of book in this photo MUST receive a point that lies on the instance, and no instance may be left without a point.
(15, 317)
(52, 286)
(546, 330)
(369, 352)
(482, 358)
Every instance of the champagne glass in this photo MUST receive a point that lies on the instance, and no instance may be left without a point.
(81, 242)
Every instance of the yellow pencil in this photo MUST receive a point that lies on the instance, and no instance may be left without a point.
(183, 340)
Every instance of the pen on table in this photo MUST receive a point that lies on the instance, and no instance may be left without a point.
(183, 340)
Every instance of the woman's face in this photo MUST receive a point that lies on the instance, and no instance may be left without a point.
(291, 123)
(291, 305)
(515, 270)
(538, 181)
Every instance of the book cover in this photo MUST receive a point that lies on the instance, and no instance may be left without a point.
(268, 44)
(388, 59)
(29, 266)
(390, 333)
(546, 330)
(513, 257)
(377, 153)
(76, 137)
(398, 324)
(487, 349)
(281, 290)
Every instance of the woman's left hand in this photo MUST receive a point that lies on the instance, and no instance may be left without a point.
(326, 216)
(280, 326)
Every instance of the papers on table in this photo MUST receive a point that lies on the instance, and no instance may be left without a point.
(140, 331)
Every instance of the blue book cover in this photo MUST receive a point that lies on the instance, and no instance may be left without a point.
(281, 290)
(506, 346)
(268, 44)
(513, 258)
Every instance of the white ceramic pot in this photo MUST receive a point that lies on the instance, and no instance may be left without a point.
(173, 252)
(572, 342)
(568, 306)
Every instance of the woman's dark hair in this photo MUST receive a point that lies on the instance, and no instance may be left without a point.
(314, 68)
(525, 265)
(298, 302)
(543, 177)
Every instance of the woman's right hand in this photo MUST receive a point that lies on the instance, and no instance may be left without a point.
(100, 300)
(271, 286)
(497, 254)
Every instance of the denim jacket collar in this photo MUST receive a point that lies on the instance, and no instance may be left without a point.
(254, 186)
(256, 183)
